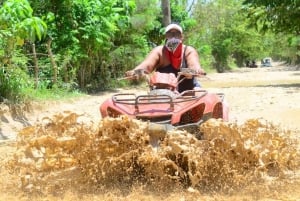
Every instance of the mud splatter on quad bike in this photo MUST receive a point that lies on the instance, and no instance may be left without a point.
(164, 106)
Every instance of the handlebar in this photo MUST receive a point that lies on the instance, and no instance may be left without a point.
(183, 74)
(135, 75)
(140, 73)
(187, 72)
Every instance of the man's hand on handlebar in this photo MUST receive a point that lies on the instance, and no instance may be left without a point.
(201, 72)
(135, 74)
(129, 73)
(189, 73)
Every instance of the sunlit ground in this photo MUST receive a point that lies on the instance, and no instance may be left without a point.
(59, 159)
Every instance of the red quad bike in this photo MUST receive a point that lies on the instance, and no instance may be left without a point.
(164, 107)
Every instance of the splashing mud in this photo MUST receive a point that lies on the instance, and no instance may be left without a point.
(62, 154)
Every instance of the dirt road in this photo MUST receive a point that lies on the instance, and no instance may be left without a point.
(269, 93)
(272, 94)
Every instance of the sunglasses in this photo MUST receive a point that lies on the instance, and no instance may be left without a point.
(173, 34)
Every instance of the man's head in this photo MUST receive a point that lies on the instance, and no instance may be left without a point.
(174, 36)
(173, 31)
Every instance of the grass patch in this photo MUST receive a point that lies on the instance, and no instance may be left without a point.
(53, 94)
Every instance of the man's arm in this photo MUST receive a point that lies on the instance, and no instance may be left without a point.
(192, 59)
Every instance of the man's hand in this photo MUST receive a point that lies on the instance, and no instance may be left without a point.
(129, 73)
(201, 72)
(135, 74)
(189, 73)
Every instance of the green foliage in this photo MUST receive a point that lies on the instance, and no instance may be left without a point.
(205, 54)
(146, 23)
(17, 19)
(95, 41)
(136, 41)
(224, 28)
(13, 84)
(285, 48)
(247, 44)
(33, 28)
(126, 57)
(278, 15)
(221, 51)
(216, 29)
(180, 14)
(144, 16)
(14, 11)
(85, 30)
(16, 25)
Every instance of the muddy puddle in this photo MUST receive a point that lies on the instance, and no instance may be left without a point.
(62, 158)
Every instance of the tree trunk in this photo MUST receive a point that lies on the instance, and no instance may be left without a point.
(36, 67)
(53, 63)
(166, 11)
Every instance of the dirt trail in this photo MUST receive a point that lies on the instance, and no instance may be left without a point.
(272, 94)
(269, 93)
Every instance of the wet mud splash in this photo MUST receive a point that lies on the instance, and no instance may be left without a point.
(66, 151)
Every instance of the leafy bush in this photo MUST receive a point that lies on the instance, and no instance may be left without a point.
(13, 84)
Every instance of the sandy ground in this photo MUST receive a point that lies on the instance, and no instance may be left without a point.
(272, 94)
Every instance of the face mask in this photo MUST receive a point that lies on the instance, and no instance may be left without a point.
(172, 44)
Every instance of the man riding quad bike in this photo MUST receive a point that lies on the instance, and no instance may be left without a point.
(164, 105)
(171, 57)
(175, 98)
